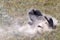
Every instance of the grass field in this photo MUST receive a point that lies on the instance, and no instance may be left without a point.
(19, 8)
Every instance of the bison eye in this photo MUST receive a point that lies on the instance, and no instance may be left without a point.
(39, 26)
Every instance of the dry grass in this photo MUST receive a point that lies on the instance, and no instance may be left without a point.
(19, 8)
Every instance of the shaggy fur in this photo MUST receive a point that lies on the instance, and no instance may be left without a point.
(39, 23)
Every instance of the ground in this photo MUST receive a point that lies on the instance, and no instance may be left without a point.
(19, 8)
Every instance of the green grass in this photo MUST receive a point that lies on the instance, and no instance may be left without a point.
(19, 8)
